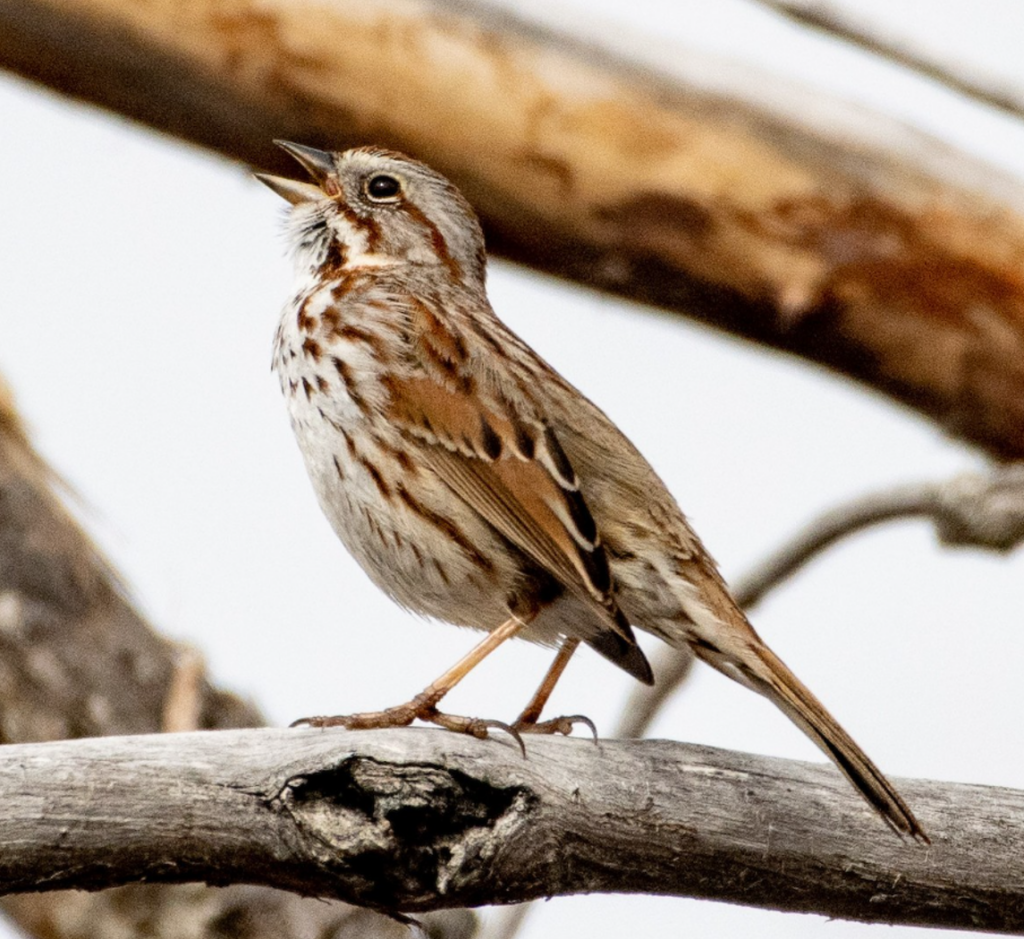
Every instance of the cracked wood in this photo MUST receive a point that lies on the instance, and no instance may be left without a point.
(412, 820)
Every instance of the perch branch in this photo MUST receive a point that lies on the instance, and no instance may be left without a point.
(412, 820)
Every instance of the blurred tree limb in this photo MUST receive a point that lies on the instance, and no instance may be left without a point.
(977, 510)
(410, 820)
(844, 21)
(77, 660)
(799, 224)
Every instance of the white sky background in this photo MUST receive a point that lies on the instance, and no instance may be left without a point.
(142, 281)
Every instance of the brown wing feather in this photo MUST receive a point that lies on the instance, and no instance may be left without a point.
(516, 476)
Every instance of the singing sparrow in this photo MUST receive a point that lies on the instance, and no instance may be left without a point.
(470, 480)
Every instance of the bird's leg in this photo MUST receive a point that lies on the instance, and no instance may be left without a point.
(532, 711)
(528, 722)
(424, 705)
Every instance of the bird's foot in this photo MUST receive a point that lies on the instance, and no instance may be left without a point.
(556, 725)
(422, 707)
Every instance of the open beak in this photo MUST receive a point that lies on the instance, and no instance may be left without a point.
(318, 163)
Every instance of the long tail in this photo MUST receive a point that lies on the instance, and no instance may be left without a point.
(763, 671)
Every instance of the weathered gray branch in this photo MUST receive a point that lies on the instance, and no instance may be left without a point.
(413, 820)
(713, 192)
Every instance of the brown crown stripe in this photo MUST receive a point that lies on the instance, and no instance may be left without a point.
(447, 527)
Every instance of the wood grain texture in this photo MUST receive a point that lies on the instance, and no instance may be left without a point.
(413, 819)
(803, 225)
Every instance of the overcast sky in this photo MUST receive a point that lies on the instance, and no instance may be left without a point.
(142, 283)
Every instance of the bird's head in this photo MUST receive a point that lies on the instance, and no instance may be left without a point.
(370, 206)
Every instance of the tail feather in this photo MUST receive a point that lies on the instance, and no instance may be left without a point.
(766, 673)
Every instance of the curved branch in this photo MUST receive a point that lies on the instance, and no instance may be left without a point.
(981, 510)
(413, 820)
(842, 23)
(912, 501)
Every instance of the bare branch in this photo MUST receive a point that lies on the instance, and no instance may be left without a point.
(721, 195)
(412, 820)
(840, 21)
(980, 510)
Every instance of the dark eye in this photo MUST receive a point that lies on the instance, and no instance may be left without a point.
(383, 188)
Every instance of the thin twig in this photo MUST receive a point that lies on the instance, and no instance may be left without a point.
(829, 19)
(911, 501)
(983, 510)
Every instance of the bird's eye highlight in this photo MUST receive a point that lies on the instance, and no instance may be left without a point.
(383, 188)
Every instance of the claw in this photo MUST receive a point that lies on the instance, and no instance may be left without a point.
(405, 714)
(474, 726)
(511, 731)
(557, 725)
